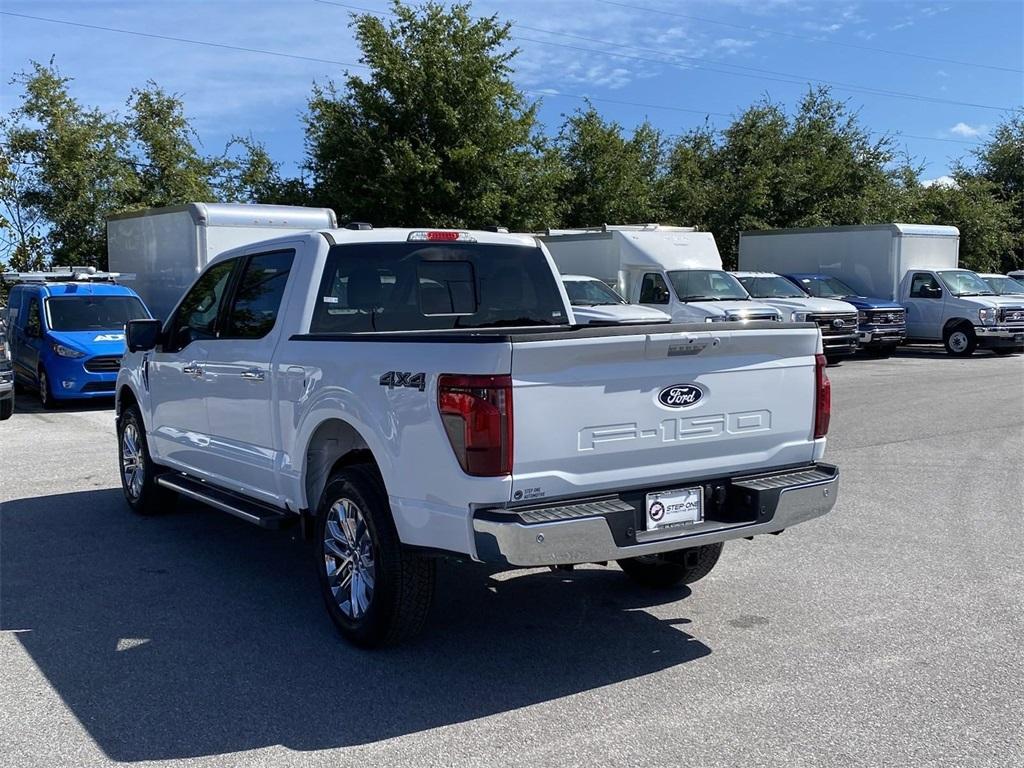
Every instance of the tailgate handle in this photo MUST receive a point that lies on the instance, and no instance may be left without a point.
(679, 344)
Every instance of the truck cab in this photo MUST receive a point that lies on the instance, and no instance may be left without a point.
(1003, 285)
(836, 319)
(959, 308)
(67, 336)
(881, 324)
(594, 302)
(677, 270)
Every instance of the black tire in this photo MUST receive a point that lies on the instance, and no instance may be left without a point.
(6, 408)
(1002, 351)
(144, 497)
(685, 566)
(401, 583)
(46, 398)
(960, 340)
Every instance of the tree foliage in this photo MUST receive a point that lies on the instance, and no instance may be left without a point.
(436, 133)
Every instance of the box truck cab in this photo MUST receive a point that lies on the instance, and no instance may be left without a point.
(67, 338)
(677, 270)
(915, 265)
(881, 324)
(837, 320)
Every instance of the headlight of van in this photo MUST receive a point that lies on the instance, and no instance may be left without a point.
(63, 351)
(988, 316)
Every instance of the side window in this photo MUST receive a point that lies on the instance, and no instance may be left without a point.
(924, 286)
(33, 324)
(653, 289)
(258, 296)
(196, 317)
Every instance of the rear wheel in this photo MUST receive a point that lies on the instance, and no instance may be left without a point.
(138, 472)
(960, 341)
(376, 591)
(684, 566)
(6, 408)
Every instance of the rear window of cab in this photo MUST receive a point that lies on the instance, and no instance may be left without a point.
(418, 286)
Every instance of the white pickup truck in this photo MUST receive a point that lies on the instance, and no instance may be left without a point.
(409, 394)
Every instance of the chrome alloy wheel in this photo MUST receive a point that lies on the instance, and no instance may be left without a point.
(348, 558)
(132, 464)
(958, 341)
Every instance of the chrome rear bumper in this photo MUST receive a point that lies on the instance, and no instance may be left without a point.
(611, 527)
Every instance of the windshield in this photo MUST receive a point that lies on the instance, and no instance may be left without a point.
(591, 293)
(826, 287)
(1004, 286)
(706, 285)
(93, 313)
(960, 282)
(773, 287)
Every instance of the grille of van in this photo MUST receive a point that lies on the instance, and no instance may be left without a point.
(103, 364)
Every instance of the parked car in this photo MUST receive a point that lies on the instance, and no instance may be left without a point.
(67, 333)
(1003, 285)
(881, 324)
(595, 303)
(837, 320)
(407, 394)
(1017, 275)
(677, 270)
(915, 265)
(6, 372)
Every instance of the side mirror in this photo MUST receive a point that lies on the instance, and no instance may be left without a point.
(142, 335)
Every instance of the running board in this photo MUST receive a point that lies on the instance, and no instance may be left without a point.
(263, 515)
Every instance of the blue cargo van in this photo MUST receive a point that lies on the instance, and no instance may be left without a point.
(67, 338)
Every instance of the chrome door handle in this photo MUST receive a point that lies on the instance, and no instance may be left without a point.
(193, 370)
(253, 374)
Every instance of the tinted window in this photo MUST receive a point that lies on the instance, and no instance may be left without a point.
(653, 289)
(924, 286)
(258, 296)
(33, 326)
(419, 286)
(196, 317)
(93, 313)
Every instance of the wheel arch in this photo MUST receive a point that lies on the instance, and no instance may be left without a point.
(334, 444)
(956, 322)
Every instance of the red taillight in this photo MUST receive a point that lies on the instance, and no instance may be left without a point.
(822, 397)
(446, 236)
(477, 415)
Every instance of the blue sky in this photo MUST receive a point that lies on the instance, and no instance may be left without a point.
(670, 61)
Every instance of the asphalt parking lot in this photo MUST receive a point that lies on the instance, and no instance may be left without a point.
(887, 633)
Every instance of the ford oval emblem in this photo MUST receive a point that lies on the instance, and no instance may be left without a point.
(680, 396)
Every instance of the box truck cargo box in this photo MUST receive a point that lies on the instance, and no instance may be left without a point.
(166, 248)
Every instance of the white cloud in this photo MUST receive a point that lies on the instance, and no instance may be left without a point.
(968, 131)
(942, 73)
(941, 181)
(732, 45)
(901, 25)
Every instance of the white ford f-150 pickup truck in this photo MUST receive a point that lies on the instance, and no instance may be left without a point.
(409, 394)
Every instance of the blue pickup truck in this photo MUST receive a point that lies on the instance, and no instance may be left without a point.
(881, 324)
(66, 339)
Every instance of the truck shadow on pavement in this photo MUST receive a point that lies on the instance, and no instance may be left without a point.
(194, 634)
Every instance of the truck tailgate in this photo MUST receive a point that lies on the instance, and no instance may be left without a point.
(649, 406)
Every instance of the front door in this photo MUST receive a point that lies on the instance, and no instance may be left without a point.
(924, 306)
(243, 454)
(179, 429)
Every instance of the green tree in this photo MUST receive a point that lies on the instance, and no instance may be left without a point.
(1001, 161)
(610, 179)
(436, 133)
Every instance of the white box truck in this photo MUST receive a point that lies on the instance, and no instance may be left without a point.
(167, 248)
(677, 270)
(915, 265)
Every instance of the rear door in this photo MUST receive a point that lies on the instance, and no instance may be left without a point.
(615, 411)
(237, 384)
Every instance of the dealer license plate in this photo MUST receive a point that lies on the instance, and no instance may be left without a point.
(668, 509)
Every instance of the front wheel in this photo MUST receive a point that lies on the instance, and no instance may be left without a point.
(138, 472)
(6, 408)
(685, 566)
(961, 341)
(376, 591)
(46, 398)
